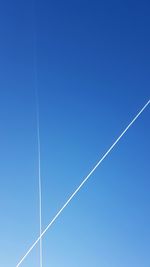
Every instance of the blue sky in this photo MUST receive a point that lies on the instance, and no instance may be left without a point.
(93, 66)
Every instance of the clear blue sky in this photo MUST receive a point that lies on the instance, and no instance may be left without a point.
(93, 61)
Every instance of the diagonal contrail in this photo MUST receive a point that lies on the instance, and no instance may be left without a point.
(83, 182)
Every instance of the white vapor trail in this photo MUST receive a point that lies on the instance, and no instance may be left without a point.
(39, 179)
(83, 182)
(38, 143)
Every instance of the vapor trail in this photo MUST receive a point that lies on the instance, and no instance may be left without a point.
(83, 182)
(38, 137)
(39, 178)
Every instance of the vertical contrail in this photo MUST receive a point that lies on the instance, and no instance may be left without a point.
(39, 174)
(38, 129)
(82, 183)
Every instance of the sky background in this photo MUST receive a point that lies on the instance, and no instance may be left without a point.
(93, 66)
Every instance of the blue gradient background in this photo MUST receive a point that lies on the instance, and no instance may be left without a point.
(93, 62)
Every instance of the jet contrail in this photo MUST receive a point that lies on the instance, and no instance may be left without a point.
(39, 177)
(83, 182)
(38, 143)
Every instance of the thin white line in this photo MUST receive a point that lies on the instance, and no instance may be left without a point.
(39, 181)
(83, 182)
(38, 142)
